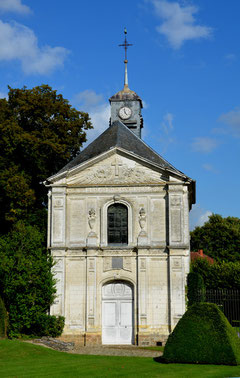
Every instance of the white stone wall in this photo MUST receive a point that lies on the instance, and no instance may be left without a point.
(155, 261)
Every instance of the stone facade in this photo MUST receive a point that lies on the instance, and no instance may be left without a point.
(153, 264)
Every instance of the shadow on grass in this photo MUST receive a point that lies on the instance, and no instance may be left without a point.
(160, 360)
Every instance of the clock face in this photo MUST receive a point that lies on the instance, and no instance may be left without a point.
(125, 112)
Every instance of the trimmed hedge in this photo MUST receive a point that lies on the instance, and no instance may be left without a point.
(195, 288)
(3, 319)
(203, 336)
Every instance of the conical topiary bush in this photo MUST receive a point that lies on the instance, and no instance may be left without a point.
(203, 335)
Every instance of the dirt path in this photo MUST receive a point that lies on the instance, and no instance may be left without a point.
(105, 350)
(131, 351)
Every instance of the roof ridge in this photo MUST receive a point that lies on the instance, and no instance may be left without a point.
(119, 135)
(142, 141)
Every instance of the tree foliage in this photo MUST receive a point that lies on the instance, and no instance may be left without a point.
(40, 132)
(3, 319)
(195, 288)
(26, 282)
(219, 238)
(219, 275)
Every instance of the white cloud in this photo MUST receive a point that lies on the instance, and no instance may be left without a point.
(88, 98)
(145, 105)
(204, 145)
(3, 95)
(15, 6)
(166, 132)
(179, 24)
(232, 120)
(230, 57)
(18, 42)
(167, 123)
(98, 109)
(208, 167)
(198, 216)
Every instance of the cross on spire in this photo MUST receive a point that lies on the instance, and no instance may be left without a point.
(125, 45)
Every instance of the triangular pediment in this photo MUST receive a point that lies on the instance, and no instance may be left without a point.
(115, 169)
(118, 157)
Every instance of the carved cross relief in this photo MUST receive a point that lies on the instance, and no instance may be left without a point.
(117, 163)
(118, 171)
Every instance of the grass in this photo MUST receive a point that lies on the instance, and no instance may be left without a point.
(19, 359)
(237, 329)
(156, 348)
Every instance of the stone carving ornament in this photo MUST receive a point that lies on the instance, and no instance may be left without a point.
(119, 173)
(142, 237)
(92, 237)
(142, 218)
(91, 218)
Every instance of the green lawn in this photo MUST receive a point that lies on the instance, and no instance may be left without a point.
(19, 359)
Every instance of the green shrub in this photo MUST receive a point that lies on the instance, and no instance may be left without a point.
(195, 288)
(203, 335)
(48, 325)
(3, 319)
(219, 275)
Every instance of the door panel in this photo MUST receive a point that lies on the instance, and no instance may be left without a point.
(109, 329)
(109, 318)
(125, 323)
(125, 314)
(117, 314)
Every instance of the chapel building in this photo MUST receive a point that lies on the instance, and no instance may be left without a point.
(118, 229)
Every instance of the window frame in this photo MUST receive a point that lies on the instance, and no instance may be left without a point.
(104, 223)
(114, 228)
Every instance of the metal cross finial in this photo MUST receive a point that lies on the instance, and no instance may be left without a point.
(125, 44)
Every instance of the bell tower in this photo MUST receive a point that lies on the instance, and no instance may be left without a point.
(126, 105)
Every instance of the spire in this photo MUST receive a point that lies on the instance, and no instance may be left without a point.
(125, 45)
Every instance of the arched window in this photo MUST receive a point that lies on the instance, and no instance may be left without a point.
(117, 224)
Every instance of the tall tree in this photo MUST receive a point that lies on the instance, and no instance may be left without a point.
(40, 132)
(219, 238)
(26, 281)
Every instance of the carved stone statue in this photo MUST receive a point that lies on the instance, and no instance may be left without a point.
(92, 237)
(142, 218)
(91, 218)
(142, 237)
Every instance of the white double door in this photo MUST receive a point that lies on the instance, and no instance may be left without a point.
(117, 314)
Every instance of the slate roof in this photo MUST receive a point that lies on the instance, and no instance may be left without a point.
(118, 135)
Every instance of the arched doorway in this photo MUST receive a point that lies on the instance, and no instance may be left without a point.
(117, 313)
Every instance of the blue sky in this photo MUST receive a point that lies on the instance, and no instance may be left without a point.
(184, 64)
